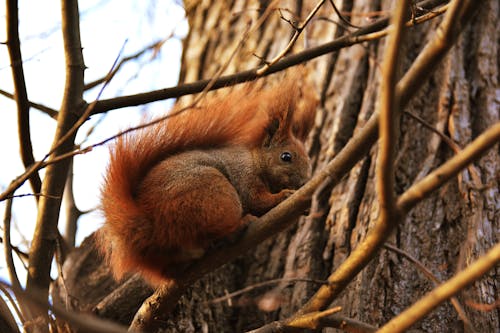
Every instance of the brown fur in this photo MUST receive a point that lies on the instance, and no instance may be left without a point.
(173, 188)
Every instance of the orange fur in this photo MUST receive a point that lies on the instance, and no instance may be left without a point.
(147, 185)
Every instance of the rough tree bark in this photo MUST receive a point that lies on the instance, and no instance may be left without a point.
(445, 232)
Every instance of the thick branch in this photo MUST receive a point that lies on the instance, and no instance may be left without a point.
(45, 235)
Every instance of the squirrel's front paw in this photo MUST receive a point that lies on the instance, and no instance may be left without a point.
(286, 193)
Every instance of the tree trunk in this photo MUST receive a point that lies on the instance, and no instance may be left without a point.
(446, 232)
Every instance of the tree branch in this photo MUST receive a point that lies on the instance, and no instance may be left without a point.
(20, 93)
(430, 301)
(291, 43)
(454, 301)
(389, 120)
(45, 109)
(249, 75)
(45, 235)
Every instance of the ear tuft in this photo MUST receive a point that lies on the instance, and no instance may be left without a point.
(271, 131)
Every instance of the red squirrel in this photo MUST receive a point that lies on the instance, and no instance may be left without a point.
(174, 188)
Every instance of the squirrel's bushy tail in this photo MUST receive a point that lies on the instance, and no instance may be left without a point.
(238, 118)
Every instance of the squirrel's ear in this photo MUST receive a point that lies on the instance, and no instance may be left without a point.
(271, 131)
(279, 128)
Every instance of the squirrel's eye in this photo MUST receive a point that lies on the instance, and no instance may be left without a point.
(286, 157)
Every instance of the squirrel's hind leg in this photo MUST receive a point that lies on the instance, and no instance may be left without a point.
(193, 206)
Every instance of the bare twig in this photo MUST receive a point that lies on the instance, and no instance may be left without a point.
(83, 321)
(389, 120)
(126, 59)
(21, 254)
(348, 325)
(57, 148)
(452, 144)
(454, 301)
(45, 109)
(427, 303)
(298, 31)
(341, 17)
(249, 75)
(9, 260)
(263, 284)
(312, 320)
(5, 310)
(20, 93)
(325, 320)
(445, 172)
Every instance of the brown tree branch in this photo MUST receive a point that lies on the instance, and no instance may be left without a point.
(7, 321)
(45, 235)
(445, 172)
(254, 286)
(389, 120)
(20, 93)
(45, 109)
(23, 311)
(249, 75)
(291, 43)
(126, 59)
(83, 321)
(446, 290)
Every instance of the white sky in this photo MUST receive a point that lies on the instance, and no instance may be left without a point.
(105, 26)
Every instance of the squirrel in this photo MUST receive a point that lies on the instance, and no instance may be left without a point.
(174, 188)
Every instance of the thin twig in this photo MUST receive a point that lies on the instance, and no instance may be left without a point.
(298, 31)
(454, 301)
(21, 94)
(341, 17)
(449, 169)
(440, 294)
(5, 309)
(312, 320)
(389, 119)
(452, 144)
(126, 59)
(56, 146)
(251, 74)
(45, 109)
(83, 321)
(9, 260)
(263, 284)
